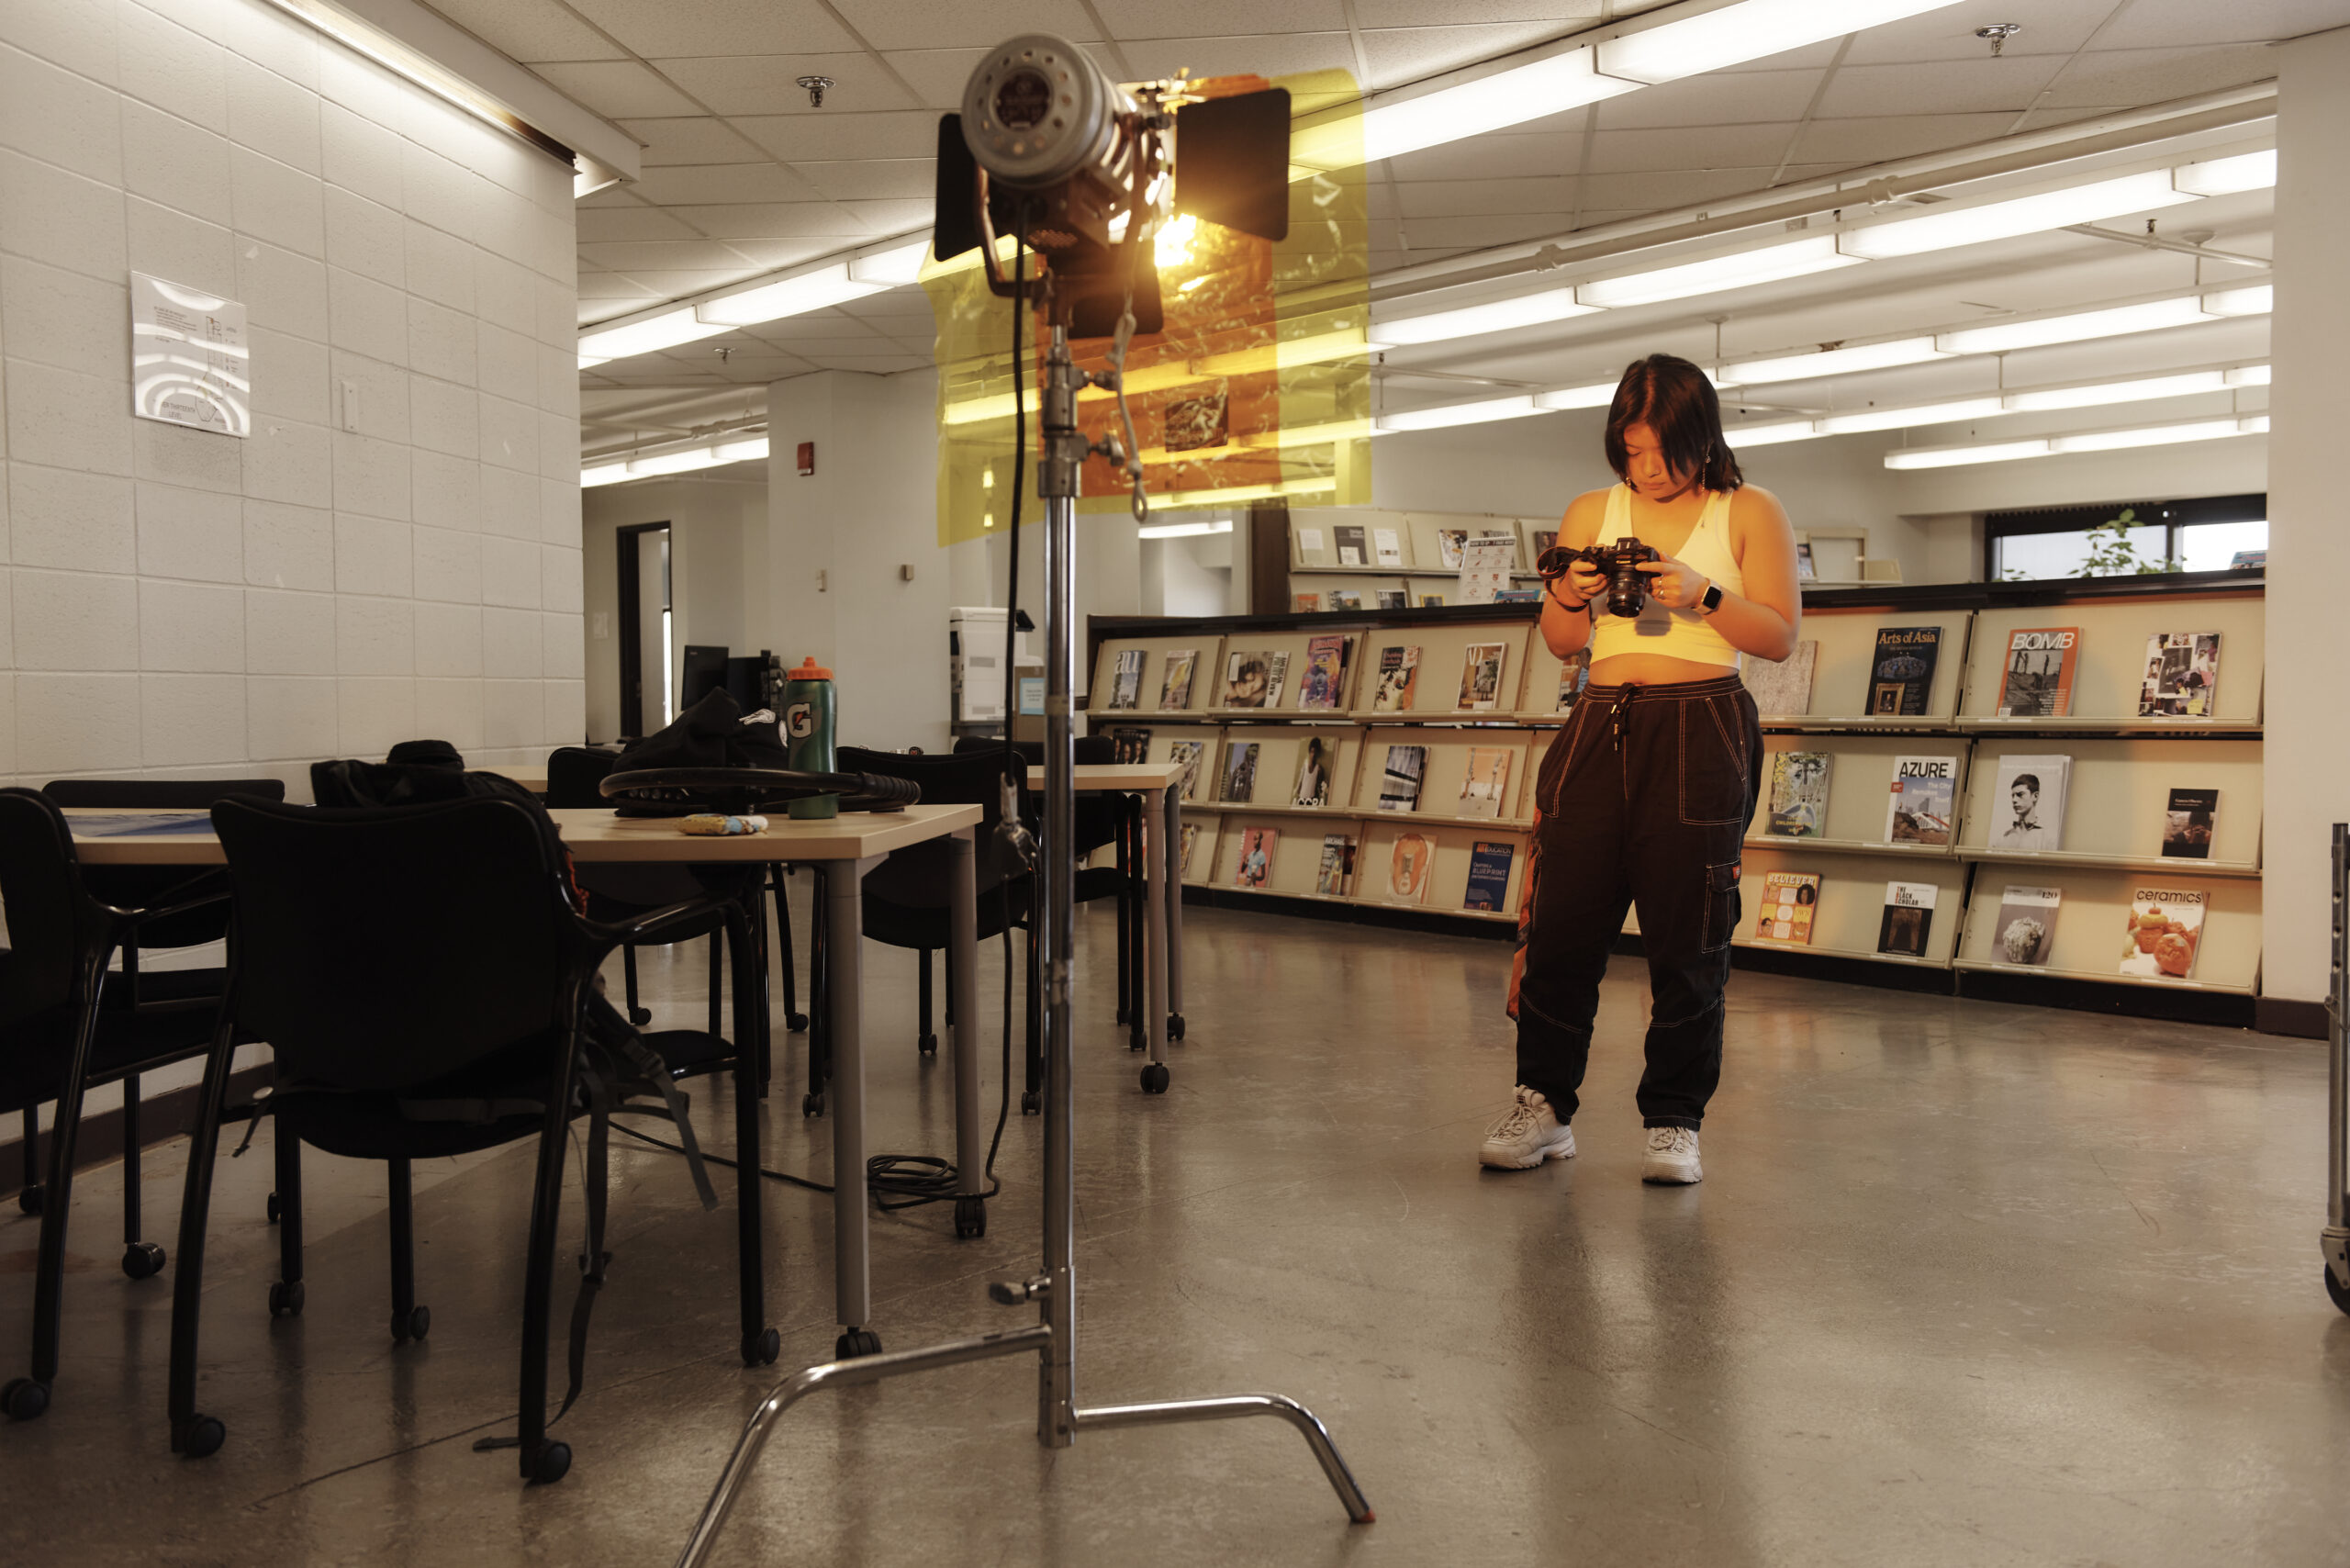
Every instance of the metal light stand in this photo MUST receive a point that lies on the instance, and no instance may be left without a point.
(1054, 1337)
(2337, 1237)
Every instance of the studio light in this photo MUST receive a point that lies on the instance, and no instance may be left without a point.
(797, 295)
(1450, 414)
(2037, 214)
(1475, 320)
(1830, 362)
(1749, 31)
(1740, 269)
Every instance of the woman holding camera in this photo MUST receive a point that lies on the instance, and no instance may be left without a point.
(1643, 797)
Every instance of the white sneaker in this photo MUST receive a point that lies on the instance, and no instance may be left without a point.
(1527, 1135)
(1671, 1156)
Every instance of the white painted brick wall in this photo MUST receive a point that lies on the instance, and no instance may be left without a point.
(178, 603)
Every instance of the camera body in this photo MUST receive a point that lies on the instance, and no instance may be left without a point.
(1619, 562)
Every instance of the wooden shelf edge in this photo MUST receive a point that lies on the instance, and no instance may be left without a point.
(1771, 945)
(1985, 965)
(2229, 870)
(1855, 846)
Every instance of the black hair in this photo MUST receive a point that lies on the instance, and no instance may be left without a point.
(1673, 397)
(2027, 780)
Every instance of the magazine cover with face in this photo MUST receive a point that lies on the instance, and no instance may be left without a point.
(1316, 760)
(1408, 864)
(1256, 858)
(1399, 671)
(1245, 680)
(1240, 771)
(2182, 675)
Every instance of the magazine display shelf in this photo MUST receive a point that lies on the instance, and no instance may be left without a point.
(1207, 674)
(1292, 691)
(1281, 749)
(1851, 907)
(1860, 782)
(1444, 653)
(2111, 665)
(2116, 795)
(2092, 932)
(1840, 678)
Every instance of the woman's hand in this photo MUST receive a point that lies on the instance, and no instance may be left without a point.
(1676, 585)
(1583, 583)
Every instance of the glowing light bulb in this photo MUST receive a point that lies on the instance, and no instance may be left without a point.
(1172, 247)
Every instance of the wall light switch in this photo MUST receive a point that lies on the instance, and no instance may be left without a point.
(599, 625)
(350, 405)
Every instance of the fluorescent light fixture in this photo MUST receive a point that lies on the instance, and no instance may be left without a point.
(1183, 530)
(1599, 394)
(794, 296)
(2254, 299)
(1773, 434)
(1450, 414)
(1564, 81)
(752, 450)
(1831, 362)
(1959, 456)
(1194, 500)
(1903, 418)
(612, 470)
(672, 462)
(2136, 391)
(1769, 263)
(1942, 230)
(2247, 375)
(654, 333)
(1752, 30)
(2150, 435)
(2227, 176)
(1472, 321)
(2114, 321)
(603, 474)
(899, 264)
(2254, 424)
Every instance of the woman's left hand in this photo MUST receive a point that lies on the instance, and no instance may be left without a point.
(1676, 585)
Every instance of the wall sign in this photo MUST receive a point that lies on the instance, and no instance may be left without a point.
(189, 362)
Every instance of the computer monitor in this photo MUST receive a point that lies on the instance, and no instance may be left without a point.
(704, 673)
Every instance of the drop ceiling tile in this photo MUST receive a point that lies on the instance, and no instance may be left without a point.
(677, 284)
(639, 256)
(1951, 86)
(925, 24)
(1492, 157)
(845, 348)
(787, 253)
(620, 89)
(1876, 137)
(530, 30)
(611, 195)
(815, 326)
(1746, 98)
(605, 287)
(1811, 57)
(891, 217)
(1674, 151)
(716, 27)
(691, 185)
(1560, 15)
(1654, 190)
(2151, 75)
(873, 178)
(843, 134)
(702, 139)
(768, 83)
(1381, 196)
(1494, 230)
(775, 220)
(938, 74)
(2152, 24)
(1263, 54)
(599, 224)
(1131, 19)
(1408, 54)
(1449, 198)
(2050, 28)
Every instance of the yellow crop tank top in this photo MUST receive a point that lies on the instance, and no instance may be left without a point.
(1675, 634)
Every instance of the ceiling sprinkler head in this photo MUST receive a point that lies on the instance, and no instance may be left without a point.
(1998, 33)
(816, 87)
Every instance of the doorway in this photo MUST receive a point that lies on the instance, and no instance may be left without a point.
(648, 680)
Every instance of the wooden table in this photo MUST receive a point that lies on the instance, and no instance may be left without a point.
(849, 845)
(1161, 784)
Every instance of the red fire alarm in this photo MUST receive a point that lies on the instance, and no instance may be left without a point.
(807, 458)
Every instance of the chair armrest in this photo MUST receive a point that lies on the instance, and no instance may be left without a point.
(134, 919)
(653, 924)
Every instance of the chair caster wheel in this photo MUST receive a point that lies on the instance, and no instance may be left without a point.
(970, 1218)
(1174, 1025)
(23, 1399)
(1031, 1103)
(2333, 1289)
(795, 1022)
(142, 1259)
(414, 1324)
(760, 1349)
(640, 1016)
(812, 1105)
(276, 1210)
(28, 1201)
(285, 1298)
(549, 1465)
(855, 1343)
(202, 1437)
(1153, 1078)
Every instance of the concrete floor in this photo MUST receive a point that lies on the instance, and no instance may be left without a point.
(1966, 1285)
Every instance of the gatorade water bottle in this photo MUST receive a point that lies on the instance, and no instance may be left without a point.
(807, 732)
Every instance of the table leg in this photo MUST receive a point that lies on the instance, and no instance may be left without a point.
(1152, 992)
(844, 898)
(963, 1002)
(1171, 891)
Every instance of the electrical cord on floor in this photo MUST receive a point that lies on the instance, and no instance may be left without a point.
(913, 1179)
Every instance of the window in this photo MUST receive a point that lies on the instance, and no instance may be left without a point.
(2200, 534)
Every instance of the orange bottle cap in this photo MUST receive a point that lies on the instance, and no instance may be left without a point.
(809, 670)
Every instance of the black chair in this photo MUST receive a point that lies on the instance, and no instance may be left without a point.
(141, 887)
(59, 1037)
(428, 991)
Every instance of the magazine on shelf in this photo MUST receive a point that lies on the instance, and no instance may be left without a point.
(1799, 794)
(1175, 692)
(1276, 675)
(1393, 598)
(1484, 787)
(1399, 672)
(1485, 564)
(2037, 682)
(1354, 546)
(1447, 547)
(1335, 878)
(1481, 676)
(1575, 673)
(1908, 915)
(1489, 874)
(1408, 863)
(1386, 547)
(2026, 925)
(1925, 794)
(2165, 929)
(1790, 901)
(1325, 673)
(1126, 680)
(1544, 538)
(1257, 845)
(1309, 545)
(1305, 603)
(1188, 752)
(1244, 679)
(1316, 760)
(1805, 571)
(1191, 837)
(1240, 771)
(1431, 602)
(1129, 744)
(2028, 804)
(1782, 690)
(1902, 670)
(2186, 824)
(1399, 781)
(1346, 598)
(2182, 675)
